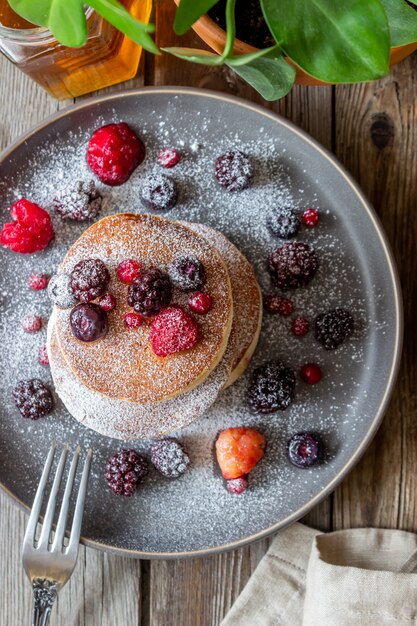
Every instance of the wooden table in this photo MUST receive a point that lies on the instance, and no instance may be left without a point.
(372, 129)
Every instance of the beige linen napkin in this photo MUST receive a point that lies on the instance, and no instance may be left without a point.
(358, 577)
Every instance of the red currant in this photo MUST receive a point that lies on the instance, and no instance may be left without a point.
(276, 304)
(310, 218)
(300, 326)
(43, 356)
(31, 323)
(200, 302)
(107, 302)
(128, 270)
(37, 281)
(310, 373)
(133, 320)
(168, 157)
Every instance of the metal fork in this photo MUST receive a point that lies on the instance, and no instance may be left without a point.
(47, 561)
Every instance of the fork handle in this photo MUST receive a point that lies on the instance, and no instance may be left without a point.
(44, 594)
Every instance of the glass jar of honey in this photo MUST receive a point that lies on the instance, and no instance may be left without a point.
(108, 57)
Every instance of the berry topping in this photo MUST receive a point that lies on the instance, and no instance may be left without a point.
(107, 302)
(38, 281)
(88, 322)
(305, 450)
(33, 398)
(234, 170)
(293, 265)
(300, 326)
(82, 202)
(128, 270)
(89, 279)
(43, 356)
(133, 320)
(200, 302)
(158, 192)
(168, 157)
(31, 229)
(238, 450)
(271, 388)
(173, 330)
(124, 470)
(283, 223)
(169, 457)
(310, 218)
(31, 323)
(150, 292)
(333, 327)
(114, 152)
(187, 273)
(310, 373)
(237, 485)
(276, 304)
(60, 292)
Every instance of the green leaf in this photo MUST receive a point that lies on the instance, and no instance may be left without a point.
(188, 12)
(336, 41)
(243, 59)
(272, 77)
(204, 57)
(402, 21)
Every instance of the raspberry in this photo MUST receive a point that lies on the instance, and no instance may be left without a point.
(272, 388)
(60, 292)
(187, 273)
(234, 170)
(283, 223)
(89, 279)
(158, 192)
(128, 270)
(124, 471)
(133, 320)
(238, 450)
(300, 326)
(88, 322)
(293, 265)
(43, 356)
(107, 302)
(33, 398)
(169, 458)
(37, 281)
(305, 450)
(310, 373)
(333, 328)
(310, 218)
(276, 304)
(114, 152)
(173, 330)
(31, 229)
(237, 485)
(150, 292)
(200, 302)
(82, 202)
(168, 157)
(31, 323)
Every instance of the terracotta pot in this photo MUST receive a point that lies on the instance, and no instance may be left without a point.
(215, 37)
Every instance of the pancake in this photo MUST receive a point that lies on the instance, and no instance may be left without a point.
(123, 364)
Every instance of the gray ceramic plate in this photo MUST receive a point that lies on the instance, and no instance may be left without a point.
(196, 515)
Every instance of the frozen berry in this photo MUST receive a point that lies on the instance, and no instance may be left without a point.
(305, 450)
(38, 281)
(200, 302)
(60, 292)
(310, 218)
(133, 320)
(88, 322)
(237, 485)
(168, 157)
(43, 356)
(124, 470)
(276, 304)
(114, 152)
(150, 292)
(271, 388)
(283, 223)
(300, 326)
(31, 229)
(128, 270)
(107, 302)
(169, 457)
(82, 202)
(31, 323)
(89, 279)
(158, 192)
(238, 450)
(234, 170)
(293, 265)
(33, 398)
(172, 331)
(310, 373)
(333, 327)
(187, 273)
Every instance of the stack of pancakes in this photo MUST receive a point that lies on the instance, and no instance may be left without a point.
(118, 386)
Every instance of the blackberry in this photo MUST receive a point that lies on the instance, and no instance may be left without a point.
(305, 450)
(60, 292)
(272, 388)
(89, 322)
(234, 170)
(169, 458)
(82, 202)
(187, 273)
(293, 265)
(124, 470)
(89, 279)
(333, 327)
(33, 398)
(159, 192)
(150, 292)
(283, 223)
